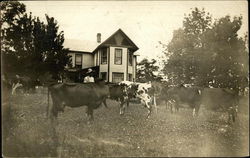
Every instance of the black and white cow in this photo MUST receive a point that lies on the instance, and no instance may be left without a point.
(126, 90)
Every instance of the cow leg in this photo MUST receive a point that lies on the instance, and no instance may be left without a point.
(229, 117)
(175, 105)
(104, 102)
(232, 111)
(167, 104)
(62, 106)
(154, 100)
(171, 108)
(122, 108)
(233, 116)
(197, 108)
(128, 100)
(54, 111)
(53, 115)
(235, 111)
(193, 112)
(149, 109)
(90, 114)
(176, 102)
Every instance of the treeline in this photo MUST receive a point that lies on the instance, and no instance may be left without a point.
(30, 46)
(208, 53)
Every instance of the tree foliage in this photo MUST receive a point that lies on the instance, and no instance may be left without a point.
(146, 71)
(29, 46)
(206, 53)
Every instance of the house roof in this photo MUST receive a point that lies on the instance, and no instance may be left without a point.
(80, 45)
(92, 46)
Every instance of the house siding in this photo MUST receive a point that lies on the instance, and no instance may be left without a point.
(118, 68)
(87, 60)
(130, 70)
(134, 68)
(103, 67)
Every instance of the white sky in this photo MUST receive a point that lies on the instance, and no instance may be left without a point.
(145, 22)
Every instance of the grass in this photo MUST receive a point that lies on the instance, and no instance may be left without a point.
(111, 135)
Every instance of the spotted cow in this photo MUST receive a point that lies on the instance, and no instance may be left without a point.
(143, 92)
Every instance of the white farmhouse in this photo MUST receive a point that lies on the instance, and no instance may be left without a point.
(113, 59)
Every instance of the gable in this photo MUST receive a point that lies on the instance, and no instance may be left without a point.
(119, 38)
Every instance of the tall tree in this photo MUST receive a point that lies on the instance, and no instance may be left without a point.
(31, 47)
(229, 62)
(11, 14)
(208, 54)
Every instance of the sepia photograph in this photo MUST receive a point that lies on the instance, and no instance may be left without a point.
(144, 78)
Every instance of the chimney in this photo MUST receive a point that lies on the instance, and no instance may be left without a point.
(98, 37)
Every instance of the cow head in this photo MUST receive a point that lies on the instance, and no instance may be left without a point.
(133, 90)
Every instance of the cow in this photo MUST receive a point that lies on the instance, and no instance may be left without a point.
(163, 96)
(222, 99)
(27, 84)
(73, 95)
(126, 90)
(181, 94)
(119, 93)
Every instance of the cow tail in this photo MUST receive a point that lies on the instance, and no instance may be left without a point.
(47, 110)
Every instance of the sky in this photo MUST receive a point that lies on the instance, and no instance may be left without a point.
(145, 22)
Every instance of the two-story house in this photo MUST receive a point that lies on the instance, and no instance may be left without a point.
(114, 59)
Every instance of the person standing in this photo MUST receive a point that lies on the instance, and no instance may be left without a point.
(89, 77)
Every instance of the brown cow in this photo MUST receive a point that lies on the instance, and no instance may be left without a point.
(181, 94)
(222, 99)
(73, 95)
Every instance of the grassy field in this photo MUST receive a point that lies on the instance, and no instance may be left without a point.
(111, 135)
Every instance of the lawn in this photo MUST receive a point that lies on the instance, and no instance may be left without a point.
(111, 135)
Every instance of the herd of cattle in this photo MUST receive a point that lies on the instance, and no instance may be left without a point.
(93, 95)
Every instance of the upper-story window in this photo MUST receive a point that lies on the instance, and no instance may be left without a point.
(118, 56)
(104, 56)
(78, 61)
(130, 58)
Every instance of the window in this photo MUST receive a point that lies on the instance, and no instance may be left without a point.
(130, 77)
(104, 75)
(130, 58)
(117, 77)
(78, 61)
(104, 56)
(118, 56)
